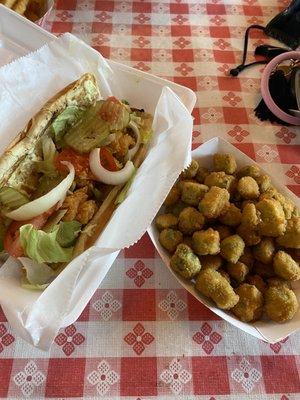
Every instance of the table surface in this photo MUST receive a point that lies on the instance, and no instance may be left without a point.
(142, 336)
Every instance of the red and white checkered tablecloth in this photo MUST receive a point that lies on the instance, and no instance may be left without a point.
(142, 336)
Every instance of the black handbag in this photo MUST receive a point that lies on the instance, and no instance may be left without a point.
(284, 27)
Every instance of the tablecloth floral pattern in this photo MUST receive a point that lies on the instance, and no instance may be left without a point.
(142, 336)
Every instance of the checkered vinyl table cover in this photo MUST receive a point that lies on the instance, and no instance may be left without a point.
(142, 336)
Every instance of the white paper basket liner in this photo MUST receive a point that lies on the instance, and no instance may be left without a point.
(265, 330)
(37, 316)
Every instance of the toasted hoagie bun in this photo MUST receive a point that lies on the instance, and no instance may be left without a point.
(22, 163)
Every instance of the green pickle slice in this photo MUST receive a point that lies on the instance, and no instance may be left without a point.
(90, 132)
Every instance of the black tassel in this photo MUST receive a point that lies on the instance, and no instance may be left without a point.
(281, 94)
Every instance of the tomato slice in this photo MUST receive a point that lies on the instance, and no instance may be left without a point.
(79, 161)
(107, 160)
(12, 243)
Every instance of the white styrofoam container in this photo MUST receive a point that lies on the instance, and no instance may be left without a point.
(266, 330)
(63, 60)
(19, 36)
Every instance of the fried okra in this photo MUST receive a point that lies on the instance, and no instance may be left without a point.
(264, 250)
(238, 271)
(176, 208)
(264, 183)
(273, 222)
(248, 188)
(250, 217)
(248, 229)
(191, 171)
(209, 261)
(280, 303)
(201, 174)
(258, 282)
(232, 248)
(278, 282)
(190, 220)
(287, 205)
(192, 192)
(249, 170)
(291, 237)
(245, 202)
(250, 236)
(224, 162)
(185, 262)
(232, 216)
(250, 305)
(223, 230)
(247, 257)
(206, 242)
(213, 285)
(236, 235)
(221, 180)
(173, 196)
(286, 267)
(165, 221)
(214, 202)
(225, 275)
(170, 239)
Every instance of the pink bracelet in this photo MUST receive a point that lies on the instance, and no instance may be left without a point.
(294, 55)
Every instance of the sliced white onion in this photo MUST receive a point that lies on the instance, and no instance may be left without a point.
(134, 149)
(44, 203)
(109, 177)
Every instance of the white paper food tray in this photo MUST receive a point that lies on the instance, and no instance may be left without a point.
(265, 330)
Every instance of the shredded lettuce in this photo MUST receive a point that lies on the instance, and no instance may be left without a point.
(123, 194)
(49, 149)
(43, 247)
(144, 122)
(64, 120)
(49, 152)
(68, 232)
